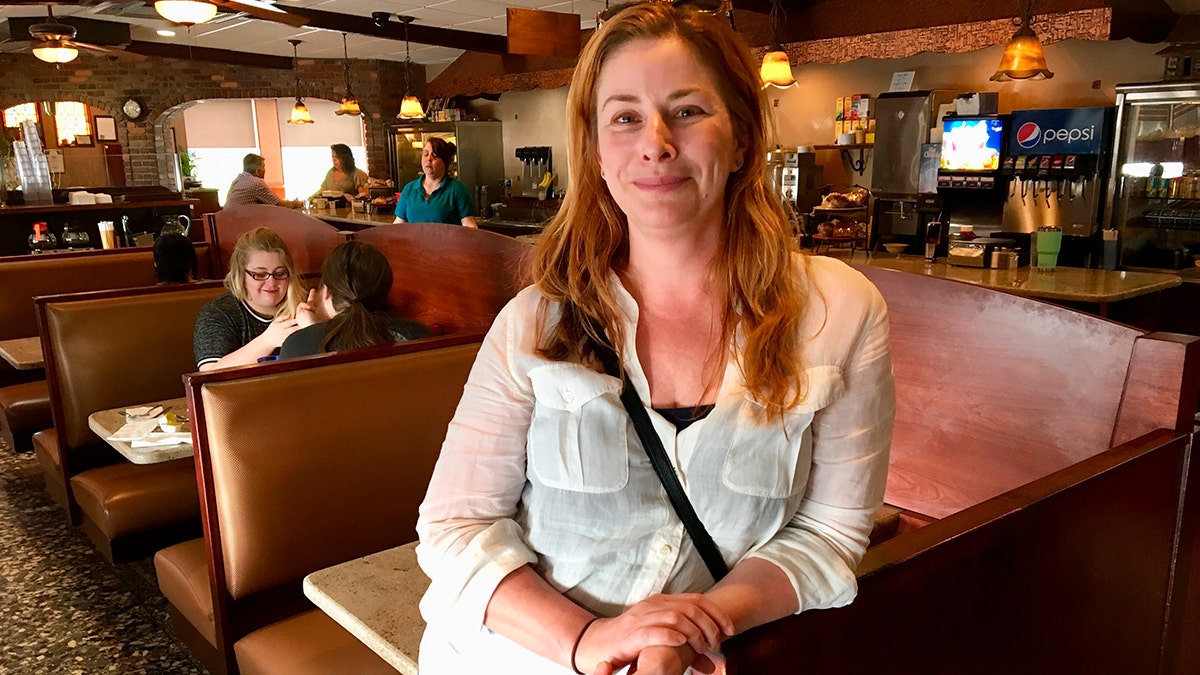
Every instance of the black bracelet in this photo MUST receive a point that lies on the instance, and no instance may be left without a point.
(575, 647)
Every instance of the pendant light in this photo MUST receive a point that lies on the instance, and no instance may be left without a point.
(186, 12)
(55, 51)
(776, 67)
(349, 103)
(299, 111)
(410, 107)
(53, 40)
(1023, 58)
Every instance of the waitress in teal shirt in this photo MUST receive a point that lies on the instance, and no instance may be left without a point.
(436, 197)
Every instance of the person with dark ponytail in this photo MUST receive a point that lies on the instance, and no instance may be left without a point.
(350, 309)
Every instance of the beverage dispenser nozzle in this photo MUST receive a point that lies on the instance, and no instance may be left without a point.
(1024, 189)
(1035, 191)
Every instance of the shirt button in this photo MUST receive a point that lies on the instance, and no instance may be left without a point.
(568, 395)
(666, 549)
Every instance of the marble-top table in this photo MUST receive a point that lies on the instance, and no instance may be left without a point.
(107, 422)
(1070, 284)
(22, 353)
(375, 598)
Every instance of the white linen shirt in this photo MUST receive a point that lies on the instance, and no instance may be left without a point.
(542, 466)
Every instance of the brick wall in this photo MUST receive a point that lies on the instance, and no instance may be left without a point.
(166, 87)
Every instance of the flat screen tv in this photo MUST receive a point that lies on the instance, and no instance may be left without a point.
(972, 144)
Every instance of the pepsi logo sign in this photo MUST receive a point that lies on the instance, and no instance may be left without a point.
(1029, 135)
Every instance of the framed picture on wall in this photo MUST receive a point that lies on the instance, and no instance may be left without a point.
(106, 128)
(83, 140)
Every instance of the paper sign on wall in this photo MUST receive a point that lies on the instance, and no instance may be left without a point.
(55, 159)
(902, 80)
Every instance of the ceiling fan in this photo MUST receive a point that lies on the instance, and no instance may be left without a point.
(54, 42)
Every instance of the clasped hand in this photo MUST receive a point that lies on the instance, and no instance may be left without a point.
(661, 635)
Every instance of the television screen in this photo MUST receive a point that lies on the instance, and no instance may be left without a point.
(971, 144)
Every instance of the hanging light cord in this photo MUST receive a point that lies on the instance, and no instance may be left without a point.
(407, 57)
(296, 66)
(346, 66)
(775, 21)
(1026, 11)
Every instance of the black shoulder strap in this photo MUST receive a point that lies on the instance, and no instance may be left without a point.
(662, 466)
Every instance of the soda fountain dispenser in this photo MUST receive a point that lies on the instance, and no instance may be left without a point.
(1057, 162)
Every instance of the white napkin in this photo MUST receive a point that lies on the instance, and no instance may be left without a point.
(144, 411)
(135, 430)
(159, 438)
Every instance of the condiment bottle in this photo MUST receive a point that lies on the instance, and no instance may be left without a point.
(966, 232)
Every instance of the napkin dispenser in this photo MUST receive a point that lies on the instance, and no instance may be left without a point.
(975, 252)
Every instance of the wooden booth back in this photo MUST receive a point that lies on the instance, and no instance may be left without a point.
(452, 278)
(308, 240)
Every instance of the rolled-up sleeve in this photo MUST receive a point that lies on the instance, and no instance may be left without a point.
(824, 541)
(469, 540)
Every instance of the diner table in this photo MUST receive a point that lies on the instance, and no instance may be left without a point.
(376, 599)
(107, 422)
(1064, 284)
(23, 353)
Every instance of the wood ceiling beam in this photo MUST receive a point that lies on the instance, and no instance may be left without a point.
(174, 51)
(394, 30)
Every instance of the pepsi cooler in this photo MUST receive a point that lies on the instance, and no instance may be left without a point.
(1056, 164)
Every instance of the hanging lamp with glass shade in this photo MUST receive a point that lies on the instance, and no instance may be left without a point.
(186, 12)
(349, 104)
(776, 66)
(53, 40)
(1023, 57)
(55, 51)
(299, 111)
(410, 107)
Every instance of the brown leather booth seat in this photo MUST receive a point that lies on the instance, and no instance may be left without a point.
(25, 410)
(290, 488)
(106, 350)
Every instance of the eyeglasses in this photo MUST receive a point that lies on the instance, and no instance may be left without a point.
(262, 276)
(704, 6)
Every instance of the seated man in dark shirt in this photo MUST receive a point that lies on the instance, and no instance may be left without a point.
(355, 281)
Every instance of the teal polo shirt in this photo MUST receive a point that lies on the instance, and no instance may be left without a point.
(449, 203)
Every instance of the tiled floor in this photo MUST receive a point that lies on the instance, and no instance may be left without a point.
(63, 608)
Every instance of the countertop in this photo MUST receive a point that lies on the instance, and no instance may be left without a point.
(113, 206)
(347, 219)
(1072, 284)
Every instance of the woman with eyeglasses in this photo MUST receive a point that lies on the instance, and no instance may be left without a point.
(251, 320)
(350, 309)
(765, 376)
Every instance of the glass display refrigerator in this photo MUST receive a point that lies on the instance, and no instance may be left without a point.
(479, 164)
(1153, 202)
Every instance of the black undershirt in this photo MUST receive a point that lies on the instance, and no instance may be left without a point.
(682, 418)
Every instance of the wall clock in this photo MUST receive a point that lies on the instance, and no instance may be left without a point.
(133, 109)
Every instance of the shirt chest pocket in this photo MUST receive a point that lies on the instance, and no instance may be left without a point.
(767, 459)
(578, 435)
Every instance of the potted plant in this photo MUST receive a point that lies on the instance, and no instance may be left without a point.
(6, 147)
(187, 166)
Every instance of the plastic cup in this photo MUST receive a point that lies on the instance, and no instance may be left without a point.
(1047, 244)
(107, 239)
